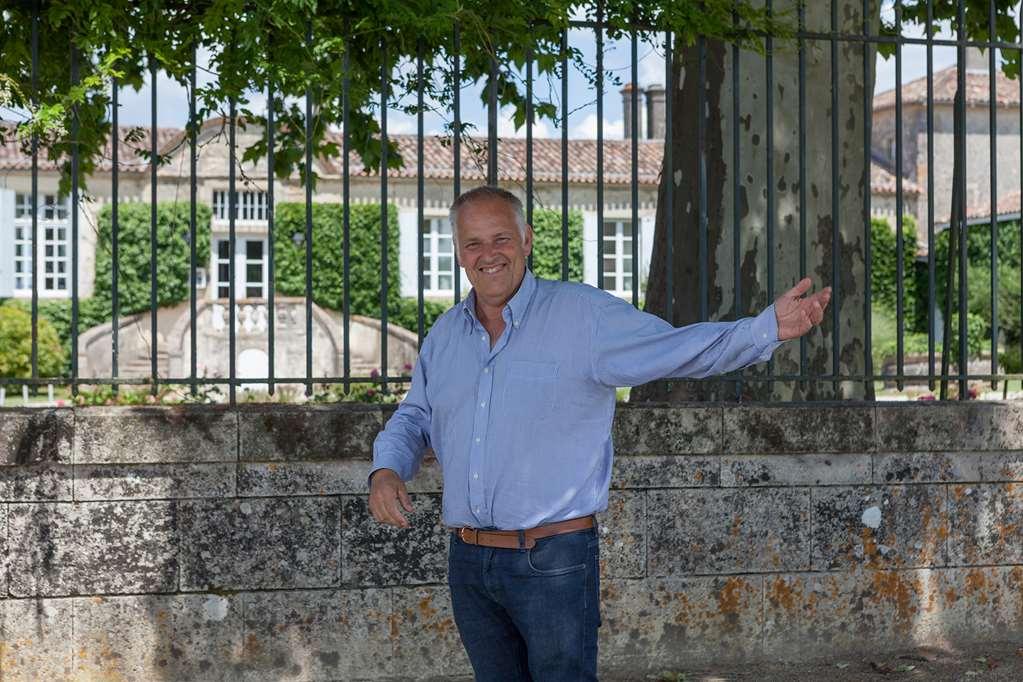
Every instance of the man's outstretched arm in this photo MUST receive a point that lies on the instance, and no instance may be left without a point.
(630, 347)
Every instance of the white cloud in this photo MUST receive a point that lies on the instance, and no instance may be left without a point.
(587, 128)
(651, 67)
(506, 126)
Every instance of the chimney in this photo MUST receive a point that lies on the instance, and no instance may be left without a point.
(627, 109)
(655, 112)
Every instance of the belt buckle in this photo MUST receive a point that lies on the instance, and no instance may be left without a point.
(462, 532)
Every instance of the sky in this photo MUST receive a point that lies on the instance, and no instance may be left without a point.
(172, 103)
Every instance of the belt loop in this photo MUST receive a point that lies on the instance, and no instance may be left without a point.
(522, 539)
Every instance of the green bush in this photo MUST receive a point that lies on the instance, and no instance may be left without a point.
(133, 260)
(547, 244)
(328, 256)
(16, 344)
(408, 313)
(883, 273)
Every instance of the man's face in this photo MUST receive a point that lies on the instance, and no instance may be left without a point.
(491, 249)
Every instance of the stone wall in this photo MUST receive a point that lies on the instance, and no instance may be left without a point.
(214, 543)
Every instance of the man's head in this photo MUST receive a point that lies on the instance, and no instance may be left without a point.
(492, 240)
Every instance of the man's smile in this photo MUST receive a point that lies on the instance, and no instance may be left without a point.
(492, 269)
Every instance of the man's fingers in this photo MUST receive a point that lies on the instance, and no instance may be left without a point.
(404, 498)
(802, 286)
(395, 513)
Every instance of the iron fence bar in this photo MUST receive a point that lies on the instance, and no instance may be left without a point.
(420, 196)
(736, 190)
(35, 193)
(74, 226)
(1020, 80)
(346, 198)
(931, 273)
(600, 146)
(384, 89)
(960, 142)
(153, 243)
(634, 113)
(232, 217)
(801, 10)
(308, 239)
(192, 250)
(769, 156)
(993, 158)
(669, 191)
(835, 234)
(492, 124)
(529, 145)
(270, 208)
(115, 134)
(564, 155)
(456, 77)
(899, 243)
(868, 264)
(701, 198)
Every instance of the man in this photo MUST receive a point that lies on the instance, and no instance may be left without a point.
(515, 392)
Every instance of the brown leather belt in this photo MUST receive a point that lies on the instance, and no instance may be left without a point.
(519, 539)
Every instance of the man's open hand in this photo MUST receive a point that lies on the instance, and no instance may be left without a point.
(387, 497)
(796, 313)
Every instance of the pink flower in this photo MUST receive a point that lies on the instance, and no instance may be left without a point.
(973, 393)
(408, 367)
(929, 396)
(370, 392)
(374, 373)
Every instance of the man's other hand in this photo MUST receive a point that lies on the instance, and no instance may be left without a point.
(796, 313)
(387, 497)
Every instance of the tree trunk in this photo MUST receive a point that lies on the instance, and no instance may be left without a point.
(853, 179)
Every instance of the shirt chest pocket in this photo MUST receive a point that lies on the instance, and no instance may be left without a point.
(531, 389)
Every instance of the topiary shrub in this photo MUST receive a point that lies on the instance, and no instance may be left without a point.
(16, 344)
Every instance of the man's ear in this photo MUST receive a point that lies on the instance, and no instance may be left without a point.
(527, 242)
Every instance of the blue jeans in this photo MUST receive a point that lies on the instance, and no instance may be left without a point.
(528, 614)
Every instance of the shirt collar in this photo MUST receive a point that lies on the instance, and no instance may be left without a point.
(517, 306)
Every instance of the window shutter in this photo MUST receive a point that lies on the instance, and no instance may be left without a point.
(6, 243)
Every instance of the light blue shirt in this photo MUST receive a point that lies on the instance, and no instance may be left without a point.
(522, 430)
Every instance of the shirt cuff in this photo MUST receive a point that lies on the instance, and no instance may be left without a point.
(383, 463)
(765, 330)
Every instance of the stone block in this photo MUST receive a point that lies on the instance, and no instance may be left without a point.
(986, 522)
(795, 470)
(317, 635)
(798, 428)
(926, 467)
(159, 637)
(341, 477)
(970, 426)
(36, 483)
(711, 531)
(825, 615)
(36, 641)
(1002, 466)
(427, 644)
(622, 535)
(269, 543)
(375, 554)
(980, 604)
(307, 433)
(879, 527)
(143, 435)
(666, 430)
(654, 625)
(93, 548)
(34, 436)
(154, 481)
(665, 471)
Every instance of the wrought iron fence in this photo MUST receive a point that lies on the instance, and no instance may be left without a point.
(706, 251)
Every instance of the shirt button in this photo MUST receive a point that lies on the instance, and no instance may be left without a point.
(477, 510)
(477, 440)
(483, 337)
(486, 370)
(476, 475)
(516, 324)
(483, 404)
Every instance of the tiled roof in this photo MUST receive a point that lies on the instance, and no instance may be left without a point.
(978, 90)
(132, 138)
(1008, 204)
(439, 159)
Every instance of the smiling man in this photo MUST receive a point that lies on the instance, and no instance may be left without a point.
(515, 392)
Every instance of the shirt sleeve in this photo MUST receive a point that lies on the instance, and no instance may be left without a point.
(631, 347)
(405, 437)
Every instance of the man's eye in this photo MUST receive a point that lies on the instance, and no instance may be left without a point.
(502, 240)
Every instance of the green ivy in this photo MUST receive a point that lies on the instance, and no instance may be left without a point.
(884, 274)
(547, 244)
